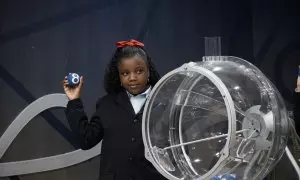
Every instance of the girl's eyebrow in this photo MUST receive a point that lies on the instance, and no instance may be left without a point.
(139, 66)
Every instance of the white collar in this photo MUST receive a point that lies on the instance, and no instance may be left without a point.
(147, 92)
(138, 101)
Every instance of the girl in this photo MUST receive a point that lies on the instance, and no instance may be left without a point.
(118, 117)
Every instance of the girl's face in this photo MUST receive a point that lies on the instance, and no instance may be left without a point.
(134, 74)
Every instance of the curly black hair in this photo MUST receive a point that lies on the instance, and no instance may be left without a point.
(112, 82)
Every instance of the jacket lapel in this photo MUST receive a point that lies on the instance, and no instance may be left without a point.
(139, 115)
(123, 100)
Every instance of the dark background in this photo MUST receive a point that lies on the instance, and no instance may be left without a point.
(40, 41)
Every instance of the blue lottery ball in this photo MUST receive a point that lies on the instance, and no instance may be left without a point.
(216, 178)
(73, 79)
(228, 177)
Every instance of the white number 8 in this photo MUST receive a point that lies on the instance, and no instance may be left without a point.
(75, 78)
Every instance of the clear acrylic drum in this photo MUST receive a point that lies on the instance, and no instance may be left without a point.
(218, 116)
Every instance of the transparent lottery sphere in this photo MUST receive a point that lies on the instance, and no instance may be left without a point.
(219, 116)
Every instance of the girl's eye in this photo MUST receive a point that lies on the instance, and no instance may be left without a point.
(124, 74)
(139, 71)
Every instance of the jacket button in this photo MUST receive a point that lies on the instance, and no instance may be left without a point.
(130, 158)
(135, 121)
(132, 139)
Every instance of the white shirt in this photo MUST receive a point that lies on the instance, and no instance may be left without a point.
(138, 101)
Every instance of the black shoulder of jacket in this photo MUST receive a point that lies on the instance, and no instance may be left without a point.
(297, 98)
(104, 99)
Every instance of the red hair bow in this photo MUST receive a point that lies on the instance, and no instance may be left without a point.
(132, 42)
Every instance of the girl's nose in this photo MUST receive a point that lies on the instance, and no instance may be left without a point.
(132, 76)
